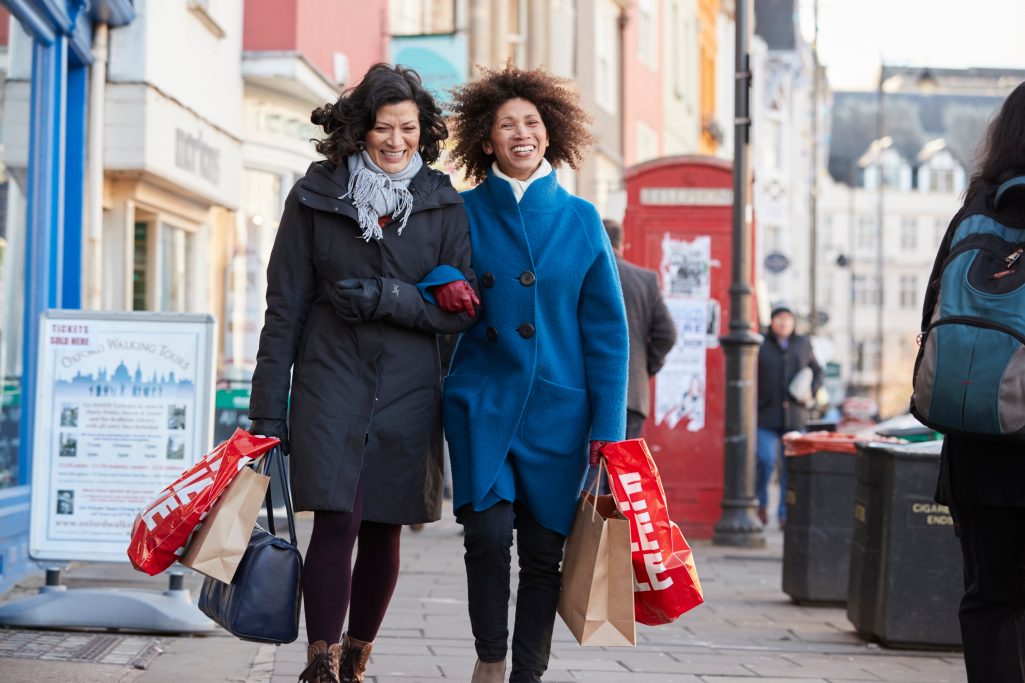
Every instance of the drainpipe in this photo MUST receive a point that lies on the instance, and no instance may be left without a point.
(97, 116)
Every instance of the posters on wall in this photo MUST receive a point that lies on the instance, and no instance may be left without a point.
(123, 407)
(686, 280)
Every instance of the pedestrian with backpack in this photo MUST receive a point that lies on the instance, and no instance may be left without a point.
(970, 385)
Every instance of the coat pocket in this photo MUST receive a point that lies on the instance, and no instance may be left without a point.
(557, 419)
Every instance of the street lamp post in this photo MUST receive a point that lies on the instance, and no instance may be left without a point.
(738, 525)
(880, 193)
(923, 83)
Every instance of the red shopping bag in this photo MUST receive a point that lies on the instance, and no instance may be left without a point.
(666, 581)
(162, 529)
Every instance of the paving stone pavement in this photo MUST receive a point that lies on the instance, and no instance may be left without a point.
(746, 631)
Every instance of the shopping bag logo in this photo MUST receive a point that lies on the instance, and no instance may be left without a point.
(665, 579)
(180, 494)
(644, 532)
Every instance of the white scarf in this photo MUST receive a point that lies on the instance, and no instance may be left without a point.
(376, 193)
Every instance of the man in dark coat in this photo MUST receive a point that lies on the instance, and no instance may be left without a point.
(652, 331)
(782, 356)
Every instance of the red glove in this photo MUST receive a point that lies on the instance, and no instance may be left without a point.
(456, 297)
(596, 447)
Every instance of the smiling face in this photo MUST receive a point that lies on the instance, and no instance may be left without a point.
(395, 136)
(518, 138)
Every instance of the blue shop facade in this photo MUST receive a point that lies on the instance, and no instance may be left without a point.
(41, 249)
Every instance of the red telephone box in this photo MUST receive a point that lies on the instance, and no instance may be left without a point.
(678, 223)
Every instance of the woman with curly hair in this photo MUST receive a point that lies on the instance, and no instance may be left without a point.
(543, 372)
(348, 356)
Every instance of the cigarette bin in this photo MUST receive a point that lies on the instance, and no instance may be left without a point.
(905, 570)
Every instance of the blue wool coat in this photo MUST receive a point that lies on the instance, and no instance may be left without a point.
(544, 370)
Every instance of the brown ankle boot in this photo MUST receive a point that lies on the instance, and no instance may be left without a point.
(322, 663)
(355, 654)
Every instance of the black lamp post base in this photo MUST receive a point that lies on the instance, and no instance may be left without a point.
(738, 526)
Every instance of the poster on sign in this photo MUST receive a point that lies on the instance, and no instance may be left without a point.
(686, 281)
(125, 403)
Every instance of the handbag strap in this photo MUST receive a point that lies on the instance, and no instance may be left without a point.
(268, 504)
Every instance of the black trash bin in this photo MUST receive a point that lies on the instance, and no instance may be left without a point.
(819, 497)
(905, 570)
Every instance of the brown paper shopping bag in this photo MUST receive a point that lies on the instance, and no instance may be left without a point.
(218, 544)
(597, 598)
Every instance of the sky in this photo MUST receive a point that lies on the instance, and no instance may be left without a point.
(855, 36)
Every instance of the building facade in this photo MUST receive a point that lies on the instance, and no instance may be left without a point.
(50, 52)
(884, 208)
(186, 125)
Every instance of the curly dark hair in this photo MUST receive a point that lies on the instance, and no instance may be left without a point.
(347, 121)
(476, 104)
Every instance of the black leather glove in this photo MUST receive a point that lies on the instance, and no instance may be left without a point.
(275, 428)
(355, 300)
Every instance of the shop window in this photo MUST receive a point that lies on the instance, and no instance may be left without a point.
(176, 247)
(162, 277)
(140, 267)
(12, 283)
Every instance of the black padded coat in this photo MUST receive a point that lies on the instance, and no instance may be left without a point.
(365, 399)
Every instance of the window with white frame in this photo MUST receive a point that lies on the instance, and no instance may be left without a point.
(606, 49)
(679, 40)
(909, 233)
(421, 17)
(941, 180)
(866, 290)
(909, 291)
(867, 232)
(647, 142)
(647, 32)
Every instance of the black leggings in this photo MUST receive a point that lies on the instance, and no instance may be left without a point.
(329, 578)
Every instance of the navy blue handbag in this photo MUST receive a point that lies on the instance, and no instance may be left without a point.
(261, 603)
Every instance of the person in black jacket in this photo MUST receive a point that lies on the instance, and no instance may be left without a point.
(369, 239)
(983, 481)
(652, 331)
(782, 356)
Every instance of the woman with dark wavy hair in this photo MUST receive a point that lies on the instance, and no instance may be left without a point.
(983, 481)
(539, 384)
(371, 242)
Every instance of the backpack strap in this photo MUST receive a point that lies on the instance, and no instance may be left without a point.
(1005, 186)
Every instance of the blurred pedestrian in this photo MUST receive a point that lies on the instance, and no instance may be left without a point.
(543, 373)
(982, 480)
(782, 357)
(362, 233)
(652, 331)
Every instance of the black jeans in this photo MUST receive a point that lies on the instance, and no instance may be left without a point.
(488, 543)
(993, 607)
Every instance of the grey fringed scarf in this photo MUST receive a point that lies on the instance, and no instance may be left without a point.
(376, 193)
